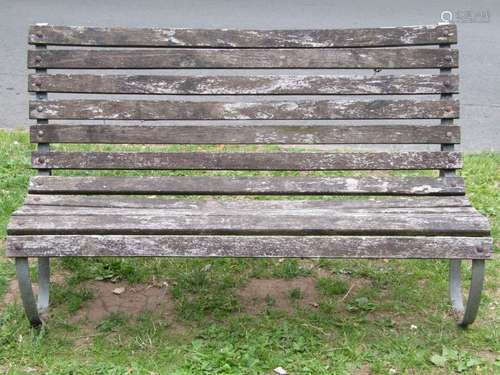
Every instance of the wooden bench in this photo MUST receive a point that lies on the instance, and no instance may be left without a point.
(426, 217)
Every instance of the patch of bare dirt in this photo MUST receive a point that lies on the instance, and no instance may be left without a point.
(12, 293)
(259, 294)
(131, 300)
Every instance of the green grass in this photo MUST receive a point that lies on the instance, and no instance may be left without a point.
(369, 315)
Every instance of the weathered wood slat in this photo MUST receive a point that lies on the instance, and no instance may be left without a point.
(181, 58)
(246, 134)
(255, 223)
(118, 201)
(97, 109)
(170, 37)
(41, 210)
(252, 246)
(246, 185)
(247, 161)
(244, 85)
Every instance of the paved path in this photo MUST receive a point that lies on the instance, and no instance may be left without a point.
(479, 42)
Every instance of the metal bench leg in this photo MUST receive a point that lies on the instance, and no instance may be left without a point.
(34, 307)
(468, 314)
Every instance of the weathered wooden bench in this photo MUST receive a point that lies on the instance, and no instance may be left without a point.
(427, 217)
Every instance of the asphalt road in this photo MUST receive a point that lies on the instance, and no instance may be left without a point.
(479, 39)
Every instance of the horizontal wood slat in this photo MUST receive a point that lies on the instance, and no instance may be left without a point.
(283, 222)
(244, 85)
(357, 58)
(261, 110)
(120, 201)
(170, 37)
(246, 134)
(40, 210)
(252, 246)
(247, 161)
(246, 185)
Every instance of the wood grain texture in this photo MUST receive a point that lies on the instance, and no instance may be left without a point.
(170, 37)
(247, 161)
(253, 222)
(246, 134)
(166, 203)
(252, 246)
(42, 211)
(181, 58)
(97, 109)
(300, 84)
(246, 185)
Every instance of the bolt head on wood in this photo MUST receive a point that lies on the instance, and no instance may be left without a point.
(39, 108)
(447, 83)
(18, 246)
(449, 134)
(39, 34)
(40, 132)
(38, 83)
(38, 59)
(41, 160)
(448, 58)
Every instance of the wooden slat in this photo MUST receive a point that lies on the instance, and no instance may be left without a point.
(247, 161)
(284, 222)
(170, 37)
(252, 246)
(246, 185)
(119, 201)
(49, 210)
(244, 85)
(224, 110)
(246, 134)
(354, 58)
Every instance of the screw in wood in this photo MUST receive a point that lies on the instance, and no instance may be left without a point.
(449, 134)
(39, 108)
(41, 160)
(40, 132)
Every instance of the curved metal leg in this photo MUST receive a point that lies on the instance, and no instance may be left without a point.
(34, 307)
(468, 314)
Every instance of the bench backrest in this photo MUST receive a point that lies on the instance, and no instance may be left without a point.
(257, 105)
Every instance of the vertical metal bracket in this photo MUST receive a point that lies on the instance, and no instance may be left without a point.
(36, 306)
(466, 315)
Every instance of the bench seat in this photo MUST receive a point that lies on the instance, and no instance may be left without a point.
(52, 225)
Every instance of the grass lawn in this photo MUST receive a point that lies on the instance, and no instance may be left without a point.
(243, 316)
